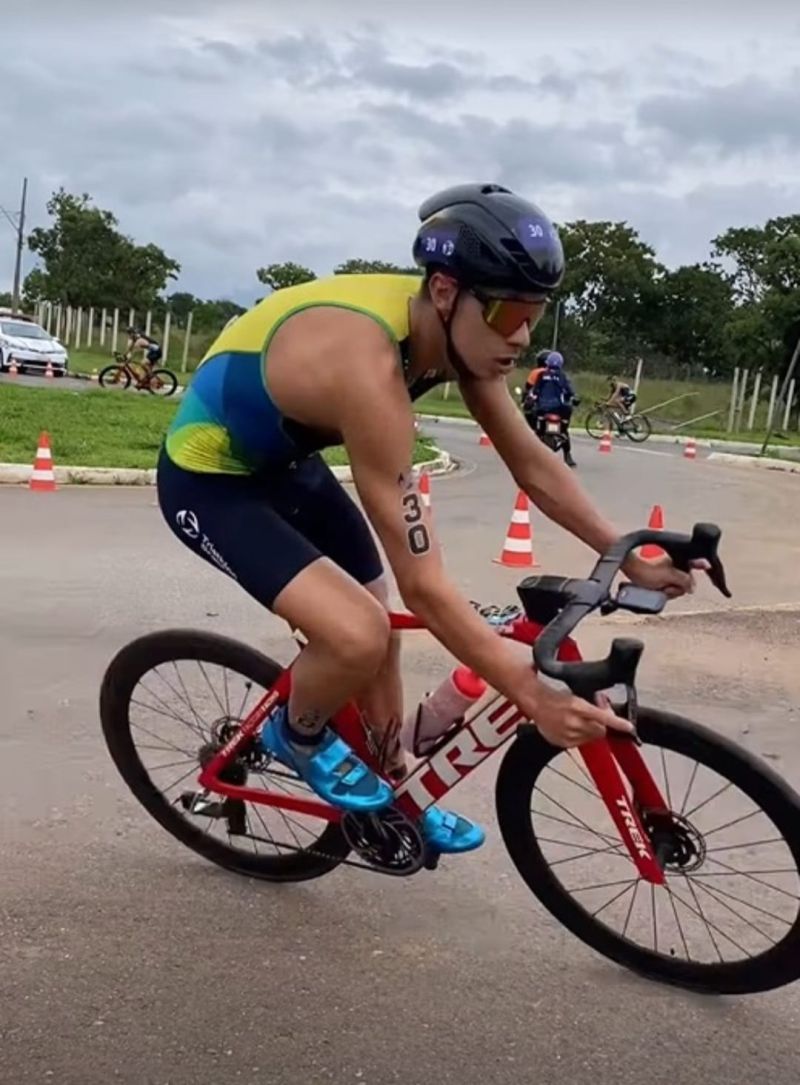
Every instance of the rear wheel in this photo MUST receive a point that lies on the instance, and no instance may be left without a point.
(179, 694)
(637, 427)
(727, 919)
(114, 376)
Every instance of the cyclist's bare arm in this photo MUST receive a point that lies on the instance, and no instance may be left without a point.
(547, 481)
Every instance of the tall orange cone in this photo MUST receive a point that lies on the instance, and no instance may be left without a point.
(12, 367)
(484, 442)
(43, 477)
(656, 521)
(690, 451)
(49, 371)
(518, 547)
(605, 442)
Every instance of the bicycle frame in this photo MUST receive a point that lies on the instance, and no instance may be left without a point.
(609, 761)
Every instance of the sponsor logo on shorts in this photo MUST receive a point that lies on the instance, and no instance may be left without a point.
(189, 524)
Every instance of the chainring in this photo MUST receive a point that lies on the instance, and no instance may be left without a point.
(389, 841)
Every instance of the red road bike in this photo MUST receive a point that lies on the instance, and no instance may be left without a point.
(662, 868)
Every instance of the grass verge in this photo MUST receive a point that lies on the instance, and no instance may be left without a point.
(98, 428)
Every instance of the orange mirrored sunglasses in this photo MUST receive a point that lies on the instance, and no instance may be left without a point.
(505, 315)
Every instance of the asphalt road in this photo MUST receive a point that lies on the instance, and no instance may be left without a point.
(127, 958)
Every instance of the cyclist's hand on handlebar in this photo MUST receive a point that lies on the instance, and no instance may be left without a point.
(661, 575)
(566, 720)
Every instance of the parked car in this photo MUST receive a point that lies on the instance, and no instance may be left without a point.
(22, 339)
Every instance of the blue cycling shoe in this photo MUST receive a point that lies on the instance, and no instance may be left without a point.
(450, 833)
(329, 767)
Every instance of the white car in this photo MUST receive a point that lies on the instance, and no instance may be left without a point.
(29, 345)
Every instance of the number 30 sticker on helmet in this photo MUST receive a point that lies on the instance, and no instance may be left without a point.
(487, 237)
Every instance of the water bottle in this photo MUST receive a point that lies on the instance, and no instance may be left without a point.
(440, 710)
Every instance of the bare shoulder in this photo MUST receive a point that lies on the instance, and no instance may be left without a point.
(324, 360)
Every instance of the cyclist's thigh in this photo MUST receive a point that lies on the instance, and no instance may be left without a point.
(227, 520)
(314, 502)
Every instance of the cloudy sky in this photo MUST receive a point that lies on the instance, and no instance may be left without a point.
(267, 130)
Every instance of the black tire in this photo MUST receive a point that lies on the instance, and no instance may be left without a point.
(520, 769)
(119, 683)
(598, 421)
(168, 382)
(637, 428)
(114, 376)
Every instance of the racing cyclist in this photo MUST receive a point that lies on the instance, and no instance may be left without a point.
(340, 361)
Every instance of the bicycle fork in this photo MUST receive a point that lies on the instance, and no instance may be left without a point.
(603, 759)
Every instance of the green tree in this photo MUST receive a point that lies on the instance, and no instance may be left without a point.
(279, 276)
(87, 261)
(373, 267)
(691, 317)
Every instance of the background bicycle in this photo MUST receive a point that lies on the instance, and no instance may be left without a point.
(602, 418)
(159, 382)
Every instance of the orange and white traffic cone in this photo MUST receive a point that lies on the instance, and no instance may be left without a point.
(690, 451)
(12, 368)
(49, 371)
(425, 488)
(484, 442)
(518, 547)
(605, 442)
(656, 521)
(43, 477)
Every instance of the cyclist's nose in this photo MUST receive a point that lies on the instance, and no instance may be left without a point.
(521, 337)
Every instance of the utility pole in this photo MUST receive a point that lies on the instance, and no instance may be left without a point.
(19, 227)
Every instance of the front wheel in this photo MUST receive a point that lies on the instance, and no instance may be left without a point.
(168, 702)
(162, 382)
(598, 422)
(727, 919)
(114, 376)
(637, 427)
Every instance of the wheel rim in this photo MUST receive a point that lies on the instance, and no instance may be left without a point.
(597, 422)
(182, 711)
(724, 901)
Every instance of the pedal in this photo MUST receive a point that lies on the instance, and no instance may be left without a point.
(196, 802)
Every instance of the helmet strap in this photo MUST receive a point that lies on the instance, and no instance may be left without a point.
(453, 356)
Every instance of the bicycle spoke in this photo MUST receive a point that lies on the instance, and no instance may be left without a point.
(248, 689)
(574, 825)
(708, 922)
(173, 764)
(715, 889)
(666, 778)
(571, 844)
(689, 788)
(605, 885)
(182, 697)
(630, 908)
(580, 765)
(701, 914)
(167, 714)
(736, 821)
(680, 928)
(705, 802)
(167, 744)
(194, 769)
(575, 783)
(746, 844)
(713, 894)
(560, 806)
(591, 851)
(730, 871)
(186, 692)
(214, 693)
(621, 893)
(225, 683)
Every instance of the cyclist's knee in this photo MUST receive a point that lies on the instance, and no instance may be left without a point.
(362, 641)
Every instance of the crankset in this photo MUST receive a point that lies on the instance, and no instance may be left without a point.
(389, 841)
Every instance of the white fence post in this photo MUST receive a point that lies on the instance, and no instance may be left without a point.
(734, 391)
(103, 327)
(789, 402)
(148, 322)
(115, 331)
(754, 401)
(185, 360)
(90, 329)
(167, 321)
(773, 393)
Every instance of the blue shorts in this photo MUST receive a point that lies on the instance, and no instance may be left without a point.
(263, 529)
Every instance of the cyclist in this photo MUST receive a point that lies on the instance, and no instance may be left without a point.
(340, 361)
(137, 340)
(553, 394)
(621, 395)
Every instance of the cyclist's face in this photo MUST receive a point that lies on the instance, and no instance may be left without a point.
(490, 336)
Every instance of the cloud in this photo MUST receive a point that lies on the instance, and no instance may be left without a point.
(747, 114)
(262, 133)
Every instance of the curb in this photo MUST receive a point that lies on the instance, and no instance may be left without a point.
(20, 473)
(763, 463)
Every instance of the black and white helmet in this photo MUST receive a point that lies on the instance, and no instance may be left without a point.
(488, 238)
